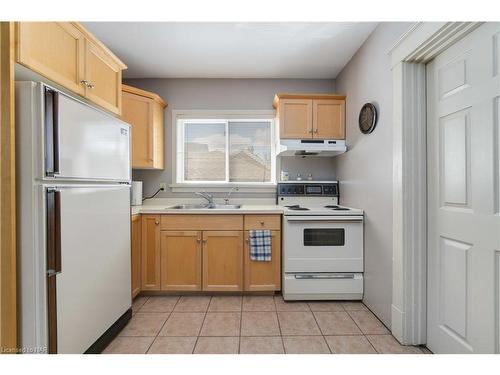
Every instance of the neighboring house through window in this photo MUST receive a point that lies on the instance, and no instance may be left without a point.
(220, 151)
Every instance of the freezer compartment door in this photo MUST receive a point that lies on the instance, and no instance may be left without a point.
(82, 142)
(93, 278)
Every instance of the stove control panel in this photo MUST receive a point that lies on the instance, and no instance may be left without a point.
(310, 188)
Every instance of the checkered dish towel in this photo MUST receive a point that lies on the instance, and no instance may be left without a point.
(260, 245)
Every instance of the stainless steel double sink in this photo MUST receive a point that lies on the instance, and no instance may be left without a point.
(205, 207)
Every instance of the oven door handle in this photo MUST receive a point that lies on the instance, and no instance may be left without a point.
(312, 219)
(339, 276)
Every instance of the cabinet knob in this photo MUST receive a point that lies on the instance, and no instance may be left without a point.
(157, 222)
(316, 131)
(90, 85)
(198, 240)
(311, 131)
(261, 223)
(247, 240)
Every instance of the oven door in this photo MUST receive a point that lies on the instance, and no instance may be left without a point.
(323, 244)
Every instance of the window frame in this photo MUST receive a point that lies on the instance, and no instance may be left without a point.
(180, 118)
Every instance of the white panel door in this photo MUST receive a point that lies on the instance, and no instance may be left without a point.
(93, 288)
(463, 101)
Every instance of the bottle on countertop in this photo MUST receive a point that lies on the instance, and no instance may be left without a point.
(299, 177)
(285, 176)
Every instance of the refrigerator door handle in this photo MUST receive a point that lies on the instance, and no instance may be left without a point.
(53, 232)
(53, 263)
(51, 132)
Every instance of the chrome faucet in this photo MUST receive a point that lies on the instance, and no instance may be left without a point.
(226, 200)
(208, 197)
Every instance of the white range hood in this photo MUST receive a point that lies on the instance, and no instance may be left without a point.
(311, 147)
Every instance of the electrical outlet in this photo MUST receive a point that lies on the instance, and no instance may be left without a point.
(163, 186)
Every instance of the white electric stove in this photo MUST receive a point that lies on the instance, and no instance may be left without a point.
(322, 243)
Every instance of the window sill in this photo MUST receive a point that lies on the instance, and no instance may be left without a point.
(223, 188)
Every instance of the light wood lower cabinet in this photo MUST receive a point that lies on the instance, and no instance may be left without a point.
(180, 260)
(136, 254)
(222, 260)
(150, 252)
(206, 253)
(263, 276)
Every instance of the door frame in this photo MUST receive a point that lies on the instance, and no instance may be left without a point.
(8, 285)
(409, 55)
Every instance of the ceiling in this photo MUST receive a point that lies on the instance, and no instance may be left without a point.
(232, 50)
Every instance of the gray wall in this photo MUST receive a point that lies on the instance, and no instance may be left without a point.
(225, 94)
(365, 170)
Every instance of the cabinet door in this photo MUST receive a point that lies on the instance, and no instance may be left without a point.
(295, 118)
(158, 136)
(138, 112)
(54, 50)
(181, 260)
(104, 77)
(262, 276)
(329, 119)
(136, 254)
(222, 260)
(150, 252)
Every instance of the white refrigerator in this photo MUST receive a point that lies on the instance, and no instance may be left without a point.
(73, 189)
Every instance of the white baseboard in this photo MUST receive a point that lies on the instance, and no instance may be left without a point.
(397, 317)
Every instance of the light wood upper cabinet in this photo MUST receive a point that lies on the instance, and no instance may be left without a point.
(310, 116)
(104, 75)
(136, 254)
(223, 261)
(144, 110)
(54, 50)
(329, 119)
(150, 252)
(295, 118)
(69, 55)
(181, 260)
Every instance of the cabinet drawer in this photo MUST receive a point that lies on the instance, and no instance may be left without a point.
(202, 222)
(272, 222)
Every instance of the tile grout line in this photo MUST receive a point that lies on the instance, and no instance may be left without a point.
(241, 324)
(165, 322)
(201, 327)
(371, 334)
(364, 335)
(373, 346)
(319, 327)
(279, 326)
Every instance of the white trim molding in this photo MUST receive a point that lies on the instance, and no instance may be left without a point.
(410, 54)
(409, 204)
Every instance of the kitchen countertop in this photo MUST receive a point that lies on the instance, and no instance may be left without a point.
(245, 209)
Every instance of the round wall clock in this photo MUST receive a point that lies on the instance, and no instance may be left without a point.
(367, 118)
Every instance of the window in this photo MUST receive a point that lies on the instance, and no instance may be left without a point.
(225, 151)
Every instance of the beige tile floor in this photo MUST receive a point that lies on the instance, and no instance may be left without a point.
(252, 325)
